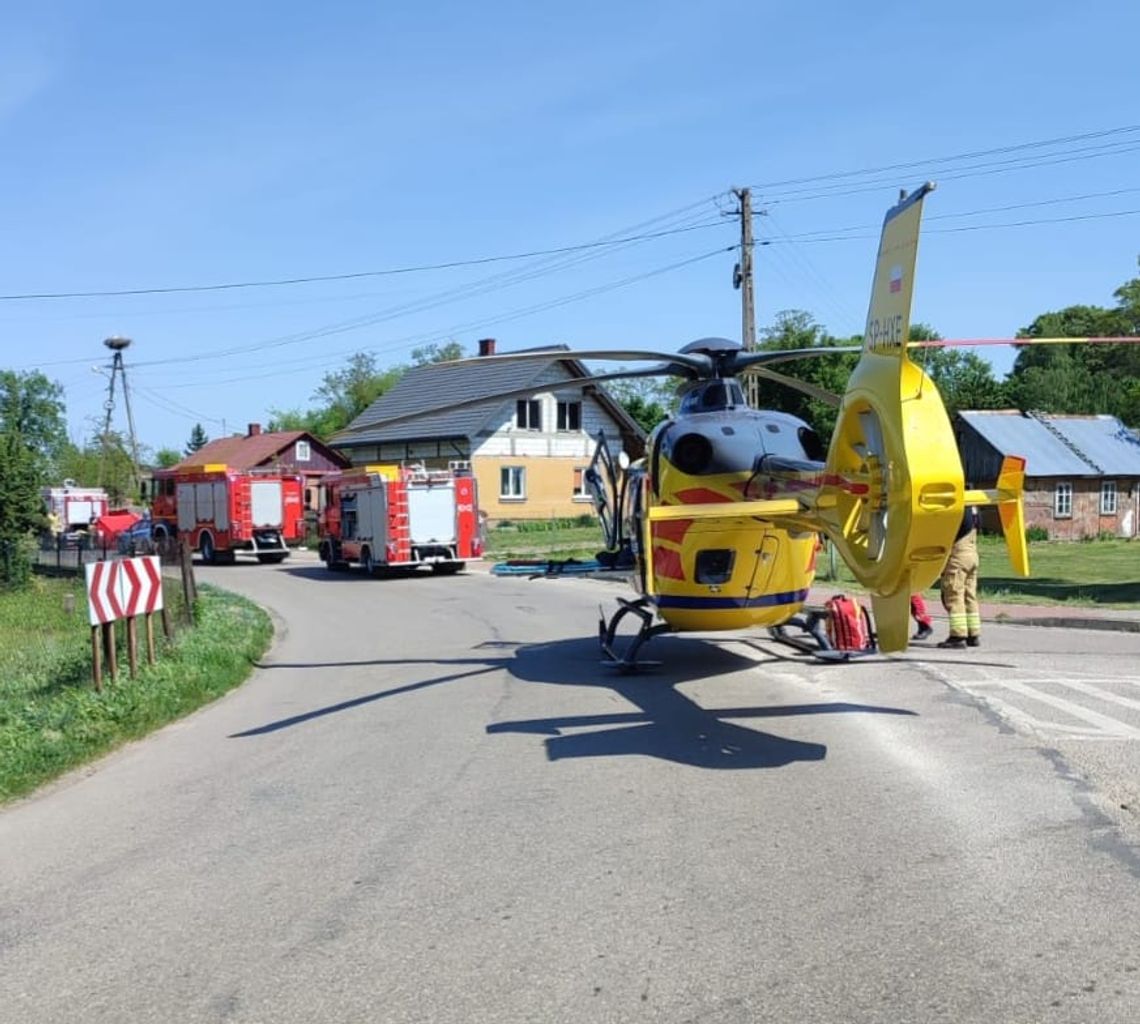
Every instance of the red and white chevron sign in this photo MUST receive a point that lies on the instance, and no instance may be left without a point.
(140, 586)
(103, 592)
(123, 589)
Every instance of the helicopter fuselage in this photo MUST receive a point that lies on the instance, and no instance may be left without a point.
(735, 571)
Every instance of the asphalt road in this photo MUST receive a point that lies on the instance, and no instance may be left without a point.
(432, 804)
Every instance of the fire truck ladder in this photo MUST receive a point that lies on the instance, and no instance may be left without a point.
(399, 527)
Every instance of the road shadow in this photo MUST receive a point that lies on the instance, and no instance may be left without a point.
(666, 723)
(321, 574)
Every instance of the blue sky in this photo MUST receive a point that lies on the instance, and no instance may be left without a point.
(148, 145)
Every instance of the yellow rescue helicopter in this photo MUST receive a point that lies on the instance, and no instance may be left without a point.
(723, 517)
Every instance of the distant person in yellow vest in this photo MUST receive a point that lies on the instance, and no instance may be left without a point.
(960, 586)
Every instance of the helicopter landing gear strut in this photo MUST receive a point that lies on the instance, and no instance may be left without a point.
(607, 633)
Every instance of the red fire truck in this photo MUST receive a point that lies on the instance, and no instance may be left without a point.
(224, 510)
(399, 516)
(75, 508)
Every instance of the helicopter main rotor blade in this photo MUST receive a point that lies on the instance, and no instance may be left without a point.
(514, 393)
(787, 355)
(970, 342)
(702, 364)
(828, 397)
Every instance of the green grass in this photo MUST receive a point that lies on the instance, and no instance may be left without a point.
(51, 718)
(1105, 573)
(558, 541)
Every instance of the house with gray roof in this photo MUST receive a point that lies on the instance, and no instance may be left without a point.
(1082, 472)
(529, 454)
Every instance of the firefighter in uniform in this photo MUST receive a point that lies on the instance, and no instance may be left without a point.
(960, 586)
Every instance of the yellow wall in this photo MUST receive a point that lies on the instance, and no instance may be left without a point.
(549, 488)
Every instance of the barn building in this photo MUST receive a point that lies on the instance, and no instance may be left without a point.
(1082, 472)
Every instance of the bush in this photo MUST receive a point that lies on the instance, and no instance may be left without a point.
(1033, 533)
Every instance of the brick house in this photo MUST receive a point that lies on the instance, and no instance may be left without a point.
(529, 454)
(287, 451)
(1082, 472)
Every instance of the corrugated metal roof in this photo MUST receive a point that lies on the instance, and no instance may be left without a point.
(1104, 440)
(1060, 445)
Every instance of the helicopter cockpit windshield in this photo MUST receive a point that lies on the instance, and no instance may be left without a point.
(712, 396)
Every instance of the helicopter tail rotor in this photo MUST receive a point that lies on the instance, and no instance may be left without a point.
(897, 502)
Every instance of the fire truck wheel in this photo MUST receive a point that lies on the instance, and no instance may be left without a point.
(366, 562)
(447, 568)
(206, 547)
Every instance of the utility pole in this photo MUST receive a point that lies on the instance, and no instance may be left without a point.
(742, 279)
(117, 345)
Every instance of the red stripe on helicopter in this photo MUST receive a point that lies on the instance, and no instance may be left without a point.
(672, 530)
(701, 496)
(667, 563)
(784, 484)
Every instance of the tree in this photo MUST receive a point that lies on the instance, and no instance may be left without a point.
(32, 406)
(436, 353)
(647, 401)
(1082, 378)
(104, 461)
(965, 380)
(198, 439)
(344, 394)
(798, 329)
(31, 436)
(164, 458)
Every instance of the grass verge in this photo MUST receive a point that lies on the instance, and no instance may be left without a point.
(1100, 573)
(51, 718)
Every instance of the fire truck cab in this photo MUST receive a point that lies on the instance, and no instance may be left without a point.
(223, 511)
(399, 516)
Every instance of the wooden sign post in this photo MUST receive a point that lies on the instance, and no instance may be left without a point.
(122, 589)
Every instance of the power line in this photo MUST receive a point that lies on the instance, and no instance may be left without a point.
(517, 314)
(544, 266)
(956, 174)
(816, 237)
(996, 151)
(355, 275)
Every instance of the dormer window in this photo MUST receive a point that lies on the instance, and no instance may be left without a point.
(569, 416)
(528, 414)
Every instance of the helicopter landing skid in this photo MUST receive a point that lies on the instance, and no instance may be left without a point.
(627, 661)
(813, 638)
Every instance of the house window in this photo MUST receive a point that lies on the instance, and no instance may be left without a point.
(581, 491)
(304, 451)
(528, 414)
(569, 415)
(1063, 501)
(512, 483)
(1108, 497)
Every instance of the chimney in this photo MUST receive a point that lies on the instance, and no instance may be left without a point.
(486, 346)
(254, 430)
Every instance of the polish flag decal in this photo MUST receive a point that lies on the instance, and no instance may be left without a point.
(896, 279)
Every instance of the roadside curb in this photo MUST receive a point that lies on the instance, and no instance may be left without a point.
(1067, 622)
